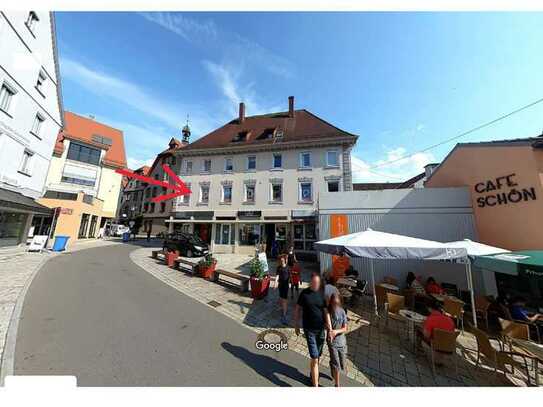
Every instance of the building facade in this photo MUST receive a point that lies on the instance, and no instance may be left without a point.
(505, 180)
(257, 180)
(132, 196)
(30, 119)
(82, 181)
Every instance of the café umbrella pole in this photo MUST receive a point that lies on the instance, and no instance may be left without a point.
(373, 284)
(470, 288)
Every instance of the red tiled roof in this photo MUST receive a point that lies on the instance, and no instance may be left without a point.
(81, 128)
(254, 129)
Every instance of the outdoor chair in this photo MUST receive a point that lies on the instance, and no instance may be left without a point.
(390, 280)
(394, 303)
(497, 358)
(481, 309)
(443, 343)
(455, 309)
(381, 295)
(531, 325)
(450, 289)
(360, 289)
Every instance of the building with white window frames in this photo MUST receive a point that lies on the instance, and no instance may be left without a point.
(257, 180)
(30, 120)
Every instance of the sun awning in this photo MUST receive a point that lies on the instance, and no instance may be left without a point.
(380, 245)
(529, 262)
(476, 248)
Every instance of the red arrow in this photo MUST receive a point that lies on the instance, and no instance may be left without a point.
(179, 187)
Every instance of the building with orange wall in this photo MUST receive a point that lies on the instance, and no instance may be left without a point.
(505, 182)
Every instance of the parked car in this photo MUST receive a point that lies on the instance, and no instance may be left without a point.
(118, 230)
(188, 245)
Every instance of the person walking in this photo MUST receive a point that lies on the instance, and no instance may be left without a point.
(294, 270)
(149, 234)
(310, 308)
(336, 326)
(283, 277)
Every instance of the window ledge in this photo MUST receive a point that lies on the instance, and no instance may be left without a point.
(250, 170)
(332, 167)
(248, 203)
(225, 203)
(39, 91)
(305, 202)
(276, 169)
(24, 173)
(205, 172)
(35, 135)
(305, 169)
(202, 204)
(275, 202)
(6, 113)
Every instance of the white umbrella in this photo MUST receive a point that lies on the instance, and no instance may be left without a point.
(476, 248)
(380, 245)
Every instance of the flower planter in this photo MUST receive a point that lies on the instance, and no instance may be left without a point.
(259, 287)
(171, 257)
(207, 272)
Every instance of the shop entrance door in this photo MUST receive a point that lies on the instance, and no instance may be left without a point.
(271, 248)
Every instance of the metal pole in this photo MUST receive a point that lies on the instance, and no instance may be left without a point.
(470, 287)
(373, 285)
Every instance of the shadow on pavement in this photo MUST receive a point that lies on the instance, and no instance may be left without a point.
(267, 366)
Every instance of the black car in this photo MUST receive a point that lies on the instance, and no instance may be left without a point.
(188, 245)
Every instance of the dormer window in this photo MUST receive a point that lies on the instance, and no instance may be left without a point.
(31, 21)
(241, 136)
(267, 134)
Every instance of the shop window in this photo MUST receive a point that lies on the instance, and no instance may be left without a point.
(333, 186)
(11, 227)
(304, 236)
(227, 194)
(306, 192)
(250, 193)
(277, 193)
(250, 234)
(224, 233)
(280, 232)
(251, 163)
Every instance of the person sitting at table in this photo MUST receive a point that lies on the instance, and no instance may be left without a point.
(432, 287)
(519, 312)
(436, 320)
(414, 284)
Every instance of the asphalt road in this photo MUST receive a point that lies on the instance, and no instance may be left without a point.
(96, 315)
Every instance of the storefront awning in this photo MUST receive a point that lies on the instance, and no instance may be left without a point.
(529, 263)
(15, 200)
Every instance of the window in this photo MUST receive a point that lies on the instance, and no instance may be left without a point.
(305, 160)
(36, 126)
(250, 193)
(41, 80)
(227, 193)
(185, 199)
(228, 165)
(163, 207)
(277, 192)
(146, 207)
(31, 21)
(6, 95)
(204, 194)
(206, 166)
(251, 162)
(332, 159)
(78, 181)
(152, 207)
(333, 186)
(224, 233)
(188, 167)
(79, 152)
(25, 163)
(277, 161)
(306, 192)
(304, 236)
(173, 161)
(250, 234)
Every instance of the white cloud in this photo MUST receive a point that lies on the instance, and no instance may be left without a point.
(391, 169)
(234, 93)
(232, 48)
(169, 113)
(135, 163)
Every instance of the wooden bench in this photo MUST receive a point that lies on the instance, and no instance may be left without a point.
(242, 279)
(182, 264)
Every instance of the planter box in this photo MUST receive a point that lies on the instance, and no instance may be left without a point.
(259, 287)
(207, 272)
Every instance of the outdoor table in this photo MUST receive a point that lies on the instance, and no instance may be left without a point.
(413, 318)
(533, 349)
(346, 282)
(390, 287)
(442, 297)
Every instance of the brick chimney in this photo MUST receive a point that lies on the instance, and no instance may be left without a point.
(241, 112)
(291, 106)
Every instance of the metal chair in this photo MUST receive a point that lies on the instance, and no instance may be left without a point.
(451, 289)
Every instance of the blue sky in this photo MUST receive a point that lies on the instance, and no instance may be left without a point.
(401, 81)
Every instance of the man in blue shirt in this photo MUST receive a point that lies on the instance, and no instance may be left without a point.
(518, 311)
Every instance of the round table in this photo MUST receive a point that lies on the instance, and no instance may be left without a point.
(412, 318)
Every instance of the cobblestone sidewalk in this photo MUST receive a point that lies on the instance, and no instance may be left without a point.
(377, 355)
(17, 268)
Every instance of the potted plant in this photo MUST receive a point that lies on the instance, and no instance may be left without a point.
(260, 280)
(206, 266)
